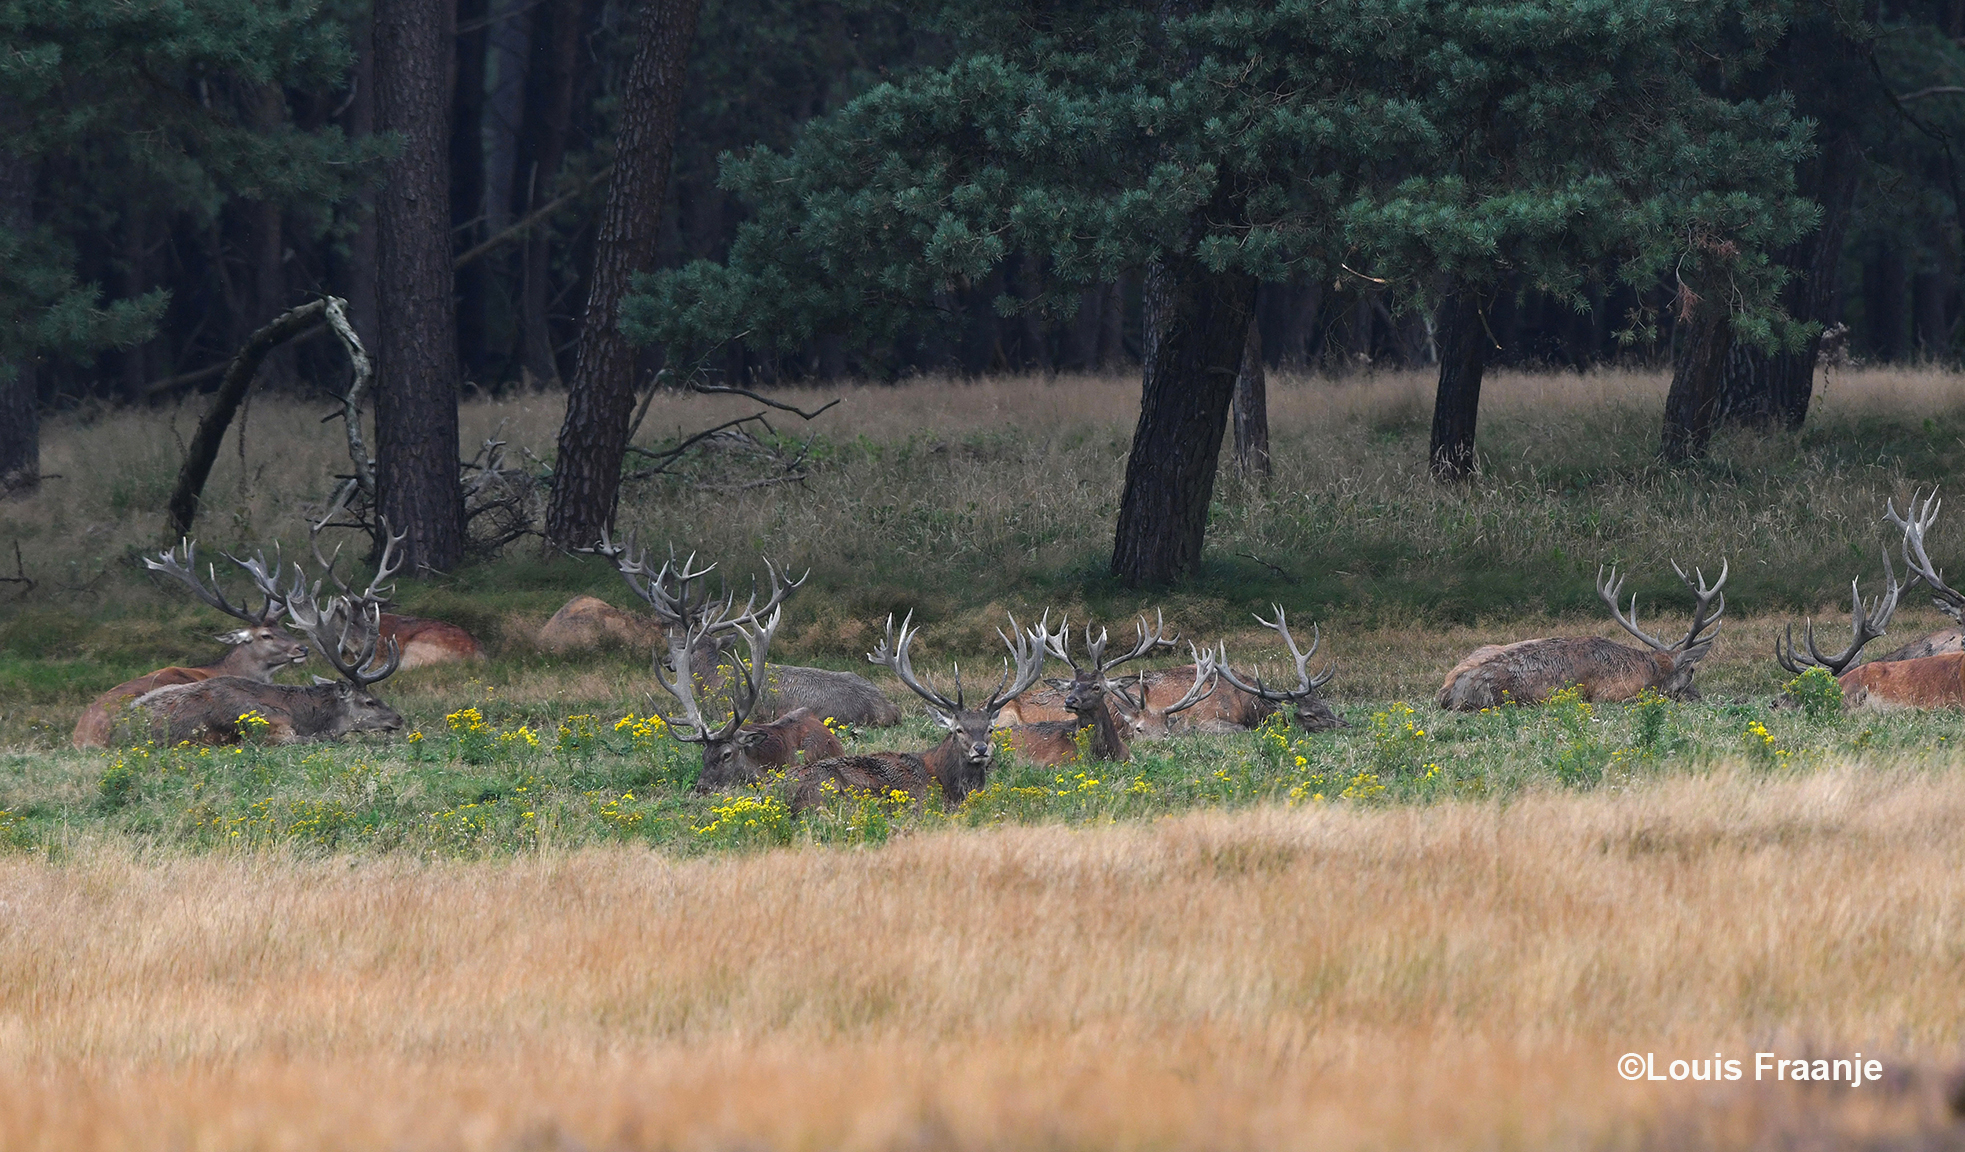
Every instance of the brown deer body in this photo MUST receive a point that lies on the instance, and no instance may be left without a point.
(208, 711)
(797, 737)
(424, 641)
(959, 765)
(259, 649)
(1530, 671)
(586, 622)
(257, 653)
(1923, 682)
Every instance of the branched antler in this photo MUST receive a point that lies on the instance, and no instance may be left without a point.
(1866, 623)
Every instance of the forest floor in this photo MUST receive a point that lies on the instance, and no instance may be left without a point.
(521, 929)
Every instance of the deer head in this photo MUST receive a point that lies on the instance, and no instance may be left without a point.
(1311, 710)
(1092, 681)
(1684, 656)
(347, 632)
(967, 727)
(264, 647)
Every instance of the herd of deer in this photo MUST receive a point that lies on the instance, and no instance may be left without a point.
(777, 714)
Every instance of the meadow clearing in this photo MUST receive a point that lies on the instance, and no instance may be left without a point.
(520, 929)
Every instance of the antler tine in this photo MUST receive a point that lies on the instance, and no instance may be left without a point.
(1150, 638)
(1919, 522)
(1786, 655)
(326, 562)
(893, 655)
(1609, 590)
(757, 638)
(1094, 649)
(1306, 683)
(317, 622)
(1058, 643)
(1704, 614)
(185, 571)
(1867, 621)
(694, 729)
(777, 597)
(387, 566)
(1205, 673)
(1028, 649)
(267, 580)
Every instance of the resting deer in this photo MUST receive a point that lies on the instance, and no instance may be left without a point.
(843, 696)
(734, 752)
(1312, 713)
(420, 640)
(1896, 680)
(259, 649)
(1530, 671)
(346, 631)
(1089, 698)
(1867, 621)
(958, 765)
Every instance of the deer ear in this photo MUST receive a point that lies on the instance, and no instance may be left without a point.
(747, 738)
(320, 680)
(1055, 682)
(237, 636)
(947, 721)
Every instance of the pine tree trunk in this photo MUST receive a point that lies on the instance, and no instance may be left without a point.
(592, 441)
(1252, 408)
(358, 276)
(467, 198)
(1197, 327)
(20, 418)
(1463, 342)
(554, 51)
(1692, 405)
(416, 376)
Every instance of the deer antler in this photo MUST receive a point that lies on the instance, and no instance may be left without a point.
(1206, 673)
(670, 590)
(1914, 526)
(1866, 623)
(1704, 614)
(267, 580)
(747, 689)
(1026, 647)
(1306, 684)
(359, 632)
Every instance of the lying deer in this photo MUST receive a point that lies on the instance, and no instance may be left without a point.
(959, 765)
(1895, 680)
(214, 711)
(259, 649)
(734, 752)
(420, 640)
(1312, 713)
(1530, 671)
(1089, 697)
(843, 696)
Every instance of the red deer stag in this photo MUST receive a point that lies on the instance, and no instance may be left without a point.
(734, 752)
(1530, 671)
(1089, 697)
(1896, 680)
(259, 649)
(958, 765)
(213, 711)
(842, 696)
(1312, 713)
(1879, 683)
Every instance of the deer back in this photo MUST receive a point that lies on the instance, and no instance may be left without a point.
(1226, 709)
(1921, 682)
(1941, 642)
(208, 711)
(881, 773)
(423, 641)
(1530, 671)
(257, 652)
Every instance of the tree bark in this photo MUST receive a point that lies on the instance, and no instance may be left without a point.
(1252, 408)
(417, 384)
(1692, 405)
(467, 191)
(359, 122)
(203, 450)
(1463, 343)
(1197, 328)
(592, 441)
(553, 52)
(20, 417)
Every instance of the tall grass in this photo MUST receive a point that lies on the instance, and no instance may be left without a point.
(1461, 976)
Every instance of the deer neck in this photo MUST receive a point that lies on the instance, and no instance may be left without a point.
(1108, 743)
(944, 763)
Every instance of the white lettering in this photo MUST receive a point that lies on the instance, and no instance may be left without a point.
(1733, 1070)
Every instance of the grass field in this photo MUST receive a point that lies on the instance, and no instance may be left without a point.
(521, 930)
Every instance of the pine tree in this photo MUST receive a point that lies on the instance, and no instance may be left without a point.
(1218, 145)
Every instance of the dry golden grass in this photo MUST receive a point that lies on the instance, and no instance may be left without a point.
(1459, 976)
